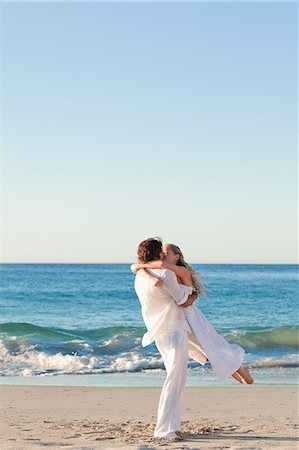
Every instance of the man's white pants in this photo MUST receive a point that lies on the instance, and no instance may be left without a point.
(174, 351)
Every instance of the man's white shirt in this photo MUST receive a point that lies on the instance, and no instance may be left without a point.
(160, 305)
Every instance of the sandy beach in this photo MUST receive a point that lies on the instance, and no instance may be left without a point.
(238, 417)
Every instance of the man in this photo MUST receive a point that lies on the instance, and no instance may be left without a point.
(166, 325)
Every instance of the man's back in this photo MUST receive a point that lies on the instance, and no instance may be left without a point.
(160, 306)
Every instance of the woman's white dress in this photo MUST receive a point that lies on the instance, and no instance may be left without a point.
(206, 343)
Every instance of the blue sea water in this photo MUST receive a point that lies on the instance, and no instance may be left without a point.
(84, 320)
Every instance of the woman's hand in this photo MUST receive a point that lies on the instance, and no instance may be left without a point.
(157, 282)
(135, 267)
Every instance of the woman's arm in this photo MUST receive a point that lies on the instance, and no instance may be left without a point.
(136, 266)
(191, 299)
(145, 274)
(150, 265)
(180, 271)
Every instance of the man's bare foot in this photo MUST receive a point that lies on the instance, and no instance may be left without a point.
(242, 375)
(179, 437)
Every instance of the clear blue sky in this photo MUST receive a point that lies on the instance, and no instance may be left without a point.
(123, 121)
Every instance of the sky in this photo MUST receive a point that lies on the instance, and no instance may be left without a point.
(123, 121)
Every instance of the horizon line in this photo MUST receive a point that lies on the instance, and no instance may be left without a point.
(130, 263)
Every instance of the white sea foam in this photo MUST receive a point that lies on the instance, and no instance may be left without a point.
(291, 360)
(107, 342)
(134, 362)
(28, 361)
(20, 357)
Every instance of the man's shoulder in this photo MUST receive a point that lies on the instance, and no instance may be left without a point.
(159, 272)
(169, 276)
(169, 273)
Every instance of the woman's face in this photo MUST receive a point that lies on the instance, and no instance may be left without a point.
(170, 256)
(162, 255)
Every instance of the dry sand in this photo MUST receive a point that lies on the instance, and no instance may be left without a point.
(233, 417)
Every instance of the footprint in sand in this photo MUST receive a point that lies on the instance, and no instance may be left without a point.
(73, 436)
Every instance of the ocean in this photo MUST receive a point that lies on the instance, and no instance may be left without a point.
(81, 324)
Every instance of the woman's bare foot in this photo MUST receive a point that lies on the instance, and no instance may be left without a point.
(242, 375)
(237, 377)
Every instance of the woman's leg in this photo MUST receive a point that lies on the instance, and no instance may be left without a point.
(242, 375)
(174, 351)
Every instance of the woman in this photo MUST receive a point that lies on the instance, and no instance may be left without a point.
(205, 343)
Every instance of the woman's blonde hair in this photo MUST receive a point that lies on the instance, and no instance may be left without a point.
(198, 287)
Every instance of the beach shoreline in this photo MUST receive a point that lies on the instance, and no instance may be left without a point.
(197, 377)
(234, 417)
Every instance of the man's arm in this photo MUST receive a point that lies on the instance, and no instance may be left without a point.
(176, 291)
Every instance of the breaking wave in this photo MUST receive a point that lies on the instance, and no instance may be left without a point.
(29, 350)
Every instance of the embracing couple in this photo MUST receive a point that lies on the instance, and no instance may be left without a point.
(167, 288)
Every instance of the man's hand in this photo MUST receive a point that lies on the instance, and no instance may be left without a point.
(190, 300)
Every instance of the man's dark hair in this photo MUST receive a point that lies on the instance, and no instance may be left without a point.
(149, 250)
